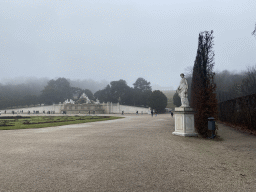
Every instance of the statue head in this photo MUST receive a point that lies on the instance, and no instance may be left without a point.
(182, 75)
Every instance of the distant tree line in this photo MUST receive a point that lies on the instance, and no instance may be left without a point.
(20, 94)
(231, 85)
(54, 92)
(238, 105)
(140, 95)
(60, 89)
(119, 91)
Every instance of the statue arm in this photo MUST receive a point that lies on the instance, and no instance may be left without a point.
(178, 90)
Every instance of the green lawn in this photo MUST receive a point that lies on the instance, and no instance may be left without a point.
(19, 122)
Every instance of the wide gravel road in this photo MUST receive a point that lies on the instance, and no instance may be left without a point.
(137, 153)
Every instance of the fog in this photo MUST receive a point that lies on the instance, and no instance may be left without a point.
(102, 41)
(36, 85)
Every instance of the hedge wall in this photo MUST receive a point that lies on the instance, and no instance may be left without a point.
(240, 111)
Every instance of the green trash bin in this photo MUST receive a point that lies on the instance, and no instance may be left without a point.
(211, 126)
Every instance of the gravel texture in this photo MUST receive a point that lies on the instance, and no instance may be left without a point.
(137, 153)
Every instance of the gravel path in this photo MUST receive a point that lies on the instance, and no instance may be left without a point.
(137, 153)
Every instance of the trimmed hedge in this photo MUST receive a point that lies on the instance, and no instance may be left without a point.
(240, 111)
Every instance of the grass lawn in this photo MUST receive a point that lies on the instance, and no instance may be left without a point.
(19, 122)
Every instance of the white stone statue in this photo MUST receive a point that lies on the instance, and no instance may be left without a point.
(70, 101)
(97, 102)
(87, 98)
(183, 91)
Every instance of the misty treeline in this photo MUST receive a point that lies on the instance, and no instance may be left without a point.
(36, 85)
(31, 91)
(238, 107)
(44, 91)
(232, 85)
(140, 95)
(119, 91)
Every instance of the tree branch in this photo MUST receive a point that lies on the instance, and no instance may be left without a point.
(254, 32)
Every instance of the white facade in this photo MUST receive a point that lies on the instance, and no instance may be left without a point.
(108, 108)
(56, 108)
(117, 108)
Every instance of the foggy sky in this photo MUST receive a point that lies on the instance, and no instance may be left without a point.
(122, 39)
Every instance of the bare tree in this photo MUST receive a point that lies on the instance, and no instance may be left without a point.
(228, 85)
(254, 32)
(248, 86)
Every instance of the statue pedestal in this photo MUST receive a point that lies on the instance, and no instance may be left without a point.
(184, 122)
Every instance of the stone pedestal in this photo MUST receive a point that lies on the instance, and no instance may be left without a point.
(184, 122)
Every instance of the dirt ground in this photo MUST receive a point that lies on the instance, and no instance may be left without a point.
(137, 153)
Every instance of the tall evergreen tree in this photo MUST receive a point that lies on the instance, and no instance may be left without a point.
(142, 85)
(203, 96)
(141, 92)
(119, 89)
(157, 101)
(56, 91)
(103, 95)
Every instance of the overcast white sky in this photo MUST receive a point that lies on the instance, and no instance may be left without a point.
(122, 39)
